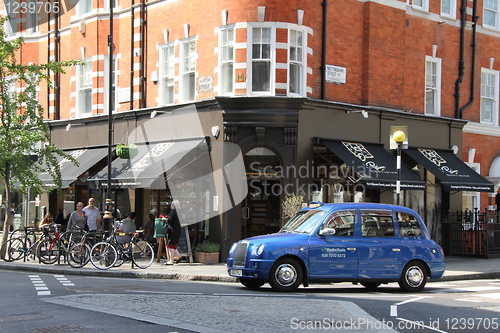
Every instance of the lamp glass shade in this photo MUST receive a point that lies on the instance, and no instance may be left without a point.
(399, 136)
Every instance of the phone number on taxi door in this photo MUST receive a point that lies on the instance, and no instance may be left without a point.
(32, 7)
(333, 255)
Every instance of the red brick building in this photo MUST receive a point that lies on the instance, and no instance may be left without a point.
(279, 79)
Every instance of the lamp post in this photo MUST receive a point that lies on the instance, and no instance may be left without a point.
(399, 137)
(107, 214)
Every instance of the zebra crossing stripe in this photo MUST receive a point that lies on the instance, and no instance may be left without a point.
(39, 285)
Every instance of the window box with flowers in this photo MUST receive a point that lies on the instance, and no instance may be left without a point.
(127, 151)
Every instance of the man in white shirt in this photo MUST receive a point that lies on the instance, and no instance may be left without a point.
(93, 216)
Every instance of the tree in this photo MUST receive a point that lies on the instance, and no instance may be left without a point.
(25, 147)
(292, 204)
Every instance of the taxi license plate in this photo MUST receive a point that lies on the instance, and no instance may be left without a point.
(236, 272)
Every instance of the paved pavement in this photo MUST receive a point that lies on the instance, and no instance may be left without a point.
(295, 315)
(457, 268)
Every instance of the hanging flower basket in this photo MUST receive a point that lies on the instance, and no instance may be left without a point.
(127, 151)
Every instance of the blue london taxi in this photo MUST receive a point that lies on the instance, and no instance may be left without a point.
(366, 243)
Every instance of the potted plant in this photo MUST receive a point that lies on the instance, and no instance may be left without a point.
(207, 252)
(127, 151)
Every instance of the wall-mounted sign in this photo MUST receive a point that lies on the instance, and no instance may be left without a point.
(205, 83)
(335, 74)
(123, 95)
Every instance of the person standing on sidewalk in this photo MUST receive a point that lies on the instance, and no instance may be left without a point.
(93, 216)
(173, 233)
(77, 219)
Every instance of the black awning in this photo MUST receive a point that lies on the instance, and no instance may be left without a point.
(152, 160)
(86, 157)
(373, 164)
(453, 173)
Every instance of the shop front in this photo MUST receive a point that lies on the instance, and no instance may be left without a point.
(232, 162)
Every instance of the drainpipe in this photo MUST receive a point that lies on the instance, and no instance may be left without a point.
(473, 60)
(48, 72)
(323, 50)
(461, 65)
(131, 83)
(143, 52)
(57, 85)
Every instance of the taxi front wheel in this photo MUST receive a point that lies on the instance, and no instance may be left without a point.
(252, 283)
(414, 277)
(286, 275)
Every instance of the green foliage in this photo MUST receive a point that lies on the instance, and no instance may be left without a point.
(25, 147)
(23, 131)
(127, 152)
(207, 247)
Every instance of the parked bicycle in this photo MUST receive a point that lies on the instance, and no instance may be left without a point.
(23, 243)
(78, 254)
(109, 253)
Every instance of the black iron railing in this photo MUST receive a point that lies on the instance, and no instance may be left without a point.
(472, 233)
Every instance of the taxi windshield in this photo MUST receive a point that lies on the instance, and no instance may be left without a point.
(304, 221)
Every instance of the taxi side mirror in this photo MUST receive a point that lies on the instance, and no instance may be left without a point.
(327, 232)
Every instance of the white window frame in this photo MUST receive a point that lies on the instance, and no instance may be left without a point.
(83, 7)
(82, 89)
(106, 83)
(271, 59)
(492, 10)
(420, 5)
(449, 8)
(187, 69)
(227, 53)
(12, 21)
(476, 196)
(300, 60)
(167, 74)
(32, 19)
(434, 87)
(489, 93)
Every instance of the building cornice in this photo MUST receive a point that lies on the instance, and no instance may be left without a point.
(482, 129)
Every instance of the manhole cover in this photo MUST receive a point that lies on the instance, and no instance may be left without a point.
(64, 328)
(24, 316)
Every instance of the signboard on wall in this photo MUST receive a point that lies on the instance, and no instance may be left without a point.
(205, 83)
(335, 74)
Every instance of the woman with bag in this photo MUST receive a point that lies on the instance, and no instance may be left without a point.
(173, 233)
(78, 219)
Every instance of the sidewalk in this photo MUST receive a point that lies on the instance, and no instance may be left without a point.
(457, 268)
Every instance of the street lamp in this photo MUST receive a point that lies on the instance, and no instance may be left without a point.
(399, 137)
(107, 215)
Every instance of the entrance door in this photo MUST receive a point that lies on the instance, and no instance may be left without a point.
(335, 256)
(262, 211)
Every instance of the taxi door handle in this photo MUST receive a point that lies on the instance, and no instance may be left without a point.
(396, 250)
(351, 249)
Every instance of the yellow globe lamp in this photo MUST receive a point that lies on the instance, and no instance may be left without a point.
(399, 136)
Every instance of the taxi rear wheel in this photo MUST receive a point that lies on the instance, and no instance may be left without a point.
(286, 275)
(252, 283)
(414, 277)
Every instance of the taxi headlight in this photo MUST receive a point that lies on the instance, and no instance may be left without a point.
(260, 249)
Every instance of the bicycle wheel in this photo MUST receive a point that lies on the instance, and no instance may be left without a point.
(103, 255)
(78, 255)
(14, 249)
(142, 254)
(47, 250)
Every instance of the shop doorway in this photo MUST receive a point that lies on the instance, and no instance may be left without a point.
(262, 206)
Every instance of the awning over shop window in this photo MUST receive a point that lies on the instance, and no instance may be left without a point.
(153, 160)
(453, 173)
(375, 166)
(86, 157)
